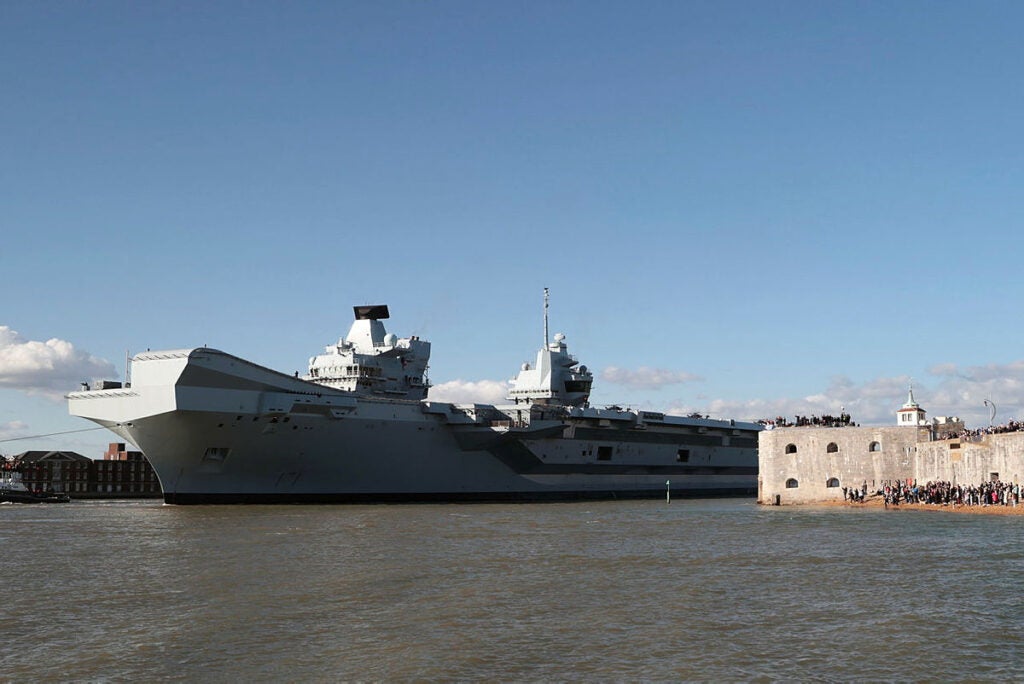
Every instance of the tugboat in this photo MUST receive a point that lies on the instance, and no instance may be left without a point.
(13, 490)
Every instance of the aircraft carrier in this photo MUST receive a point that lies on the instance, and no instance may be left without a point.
(359, 427)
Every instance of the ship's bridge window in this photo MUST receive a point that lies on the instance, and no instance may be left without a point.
(791, 448)
(832, 448)
(791, 483)
(574, 386)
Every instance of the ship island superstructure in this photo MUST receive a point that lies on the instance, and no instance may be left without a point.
(359, 427)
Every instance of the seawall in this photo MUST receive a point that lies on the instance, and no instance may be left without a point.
(803, 465)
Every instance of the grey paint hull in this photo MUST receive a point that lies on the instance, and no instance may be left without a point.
(218, 429)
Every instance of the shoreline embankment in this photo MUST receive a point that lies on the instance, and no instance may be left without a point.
(877, 501)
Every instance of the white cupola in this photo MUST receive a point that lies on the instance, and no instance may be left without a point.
(910, 414)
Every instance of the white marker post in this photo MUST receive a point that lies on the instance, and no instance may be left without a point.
(668, 491)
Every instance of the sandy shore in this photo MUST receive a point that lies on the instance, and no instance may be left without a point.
(877, 502)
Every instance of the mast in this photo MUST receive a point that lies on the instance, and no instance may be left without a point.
(545, 318)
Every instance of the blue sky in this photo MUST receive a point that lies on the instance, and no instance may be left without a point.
(742, 208)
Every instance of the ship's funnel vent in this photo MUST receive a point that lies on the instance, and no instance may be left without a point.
(374, 312)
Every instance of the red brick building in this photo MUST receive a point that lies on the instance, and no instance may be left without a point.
(121, 473)
(55, 471)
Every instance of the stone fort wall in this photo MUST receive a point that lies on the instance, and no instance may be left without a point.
(812, 464)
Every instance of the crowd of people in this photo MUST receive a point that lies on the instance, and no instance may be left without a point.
(842, 420)
(855, 494)
(994, 493)
(1012, 426)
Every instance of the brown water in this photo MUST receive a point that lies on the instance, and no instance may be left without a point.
(695, 590)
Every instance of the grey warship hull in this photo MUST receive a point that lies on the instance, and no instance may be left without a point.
(219, 429)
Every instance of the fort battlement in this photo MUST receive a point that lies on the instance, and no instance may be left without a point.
(804, 465)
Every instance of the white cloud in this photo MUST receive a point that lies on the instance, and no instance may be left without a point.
(13, 428)
(48, 368)
(999, 372)
(943, 369)
(646, 378)
(755, 409)
(947, 391)
(468, 392)
(950, 391)
(964, 391)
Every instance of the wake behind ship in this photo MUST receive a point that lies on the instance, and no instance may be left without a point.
(359, 427)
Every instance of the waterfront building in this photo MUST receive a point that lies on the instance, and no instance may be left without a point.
(819, 464)
(62, 472)
(120, 474)
(125, 473)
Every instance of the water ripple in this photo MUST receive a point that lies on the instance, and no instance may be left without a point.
(637, 591)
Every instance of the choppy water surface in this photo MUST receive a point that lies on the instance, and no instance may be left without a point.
(694, 590)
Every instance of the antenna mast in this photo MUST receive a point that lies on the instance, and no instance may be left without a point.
(545, 318)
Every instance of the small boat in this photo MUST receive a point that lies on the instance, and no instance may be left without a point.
(13, 490)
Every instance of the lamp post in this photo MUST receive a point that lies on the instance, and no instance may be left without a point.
(992, 408)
